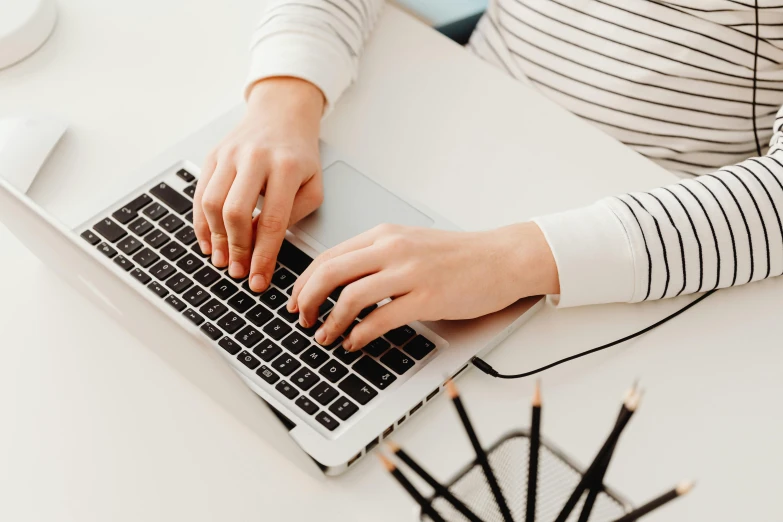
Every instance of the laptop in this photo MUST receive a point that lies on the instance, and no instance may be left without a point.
(138, 259)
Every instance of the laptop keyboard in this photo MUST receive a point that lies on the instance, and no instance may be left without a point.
(152, 239)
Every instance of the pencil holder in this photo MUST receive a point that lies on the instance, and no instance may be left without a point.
(557, 478)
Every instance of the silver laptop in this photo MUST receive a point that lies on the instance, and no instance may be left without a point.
(138, 258)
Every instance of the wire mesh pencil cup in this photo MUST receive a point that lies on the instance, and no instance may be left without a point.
(557, 478)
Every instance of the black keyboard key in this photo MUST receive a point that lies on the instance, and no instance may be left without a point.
(241, 302)
(283, 278)
(158, 289)
(196, 296)
(287, 390)
(125, 215)
(304, 379)
(224, 289)
(259, 315)
(213, 309)
(346, 356)
(162, 270)
(187, 176)
(129, 245)
(155, 211)
(248, 360)
(397, 361)
(194, 317)
(231, 322)
(267, 374)
(377, 347)
(171, 197)
(140, 227)
(419, 347)
(378, 376)
(286, 364)
(401, 335)
(327, 421)
(173, 251)
(197, 249)
(333, 371)
(323, 393)
(156, 239)
(249, 336)
(110, 230)
(189, 217)
(141, 276)
(187, 235)
(343, 408)
(171, 223)
(325, 307)
(293, 258)
(357, 389)
(288, 316)
(229, 345)
(277, 329)
(309, 332)
(107, 250)
(295, 343)
(273, 298)
(307, 405)
(314, 357)
(267, 350)
(246, 286)
(177, 303)
(146, 257)
(190, 264)
(190, 190)
(90, 237)
(179, 283)
(367, 311)
(206, 276)
(123, 263)
(140, 202)
(211, 331)
(334, 344)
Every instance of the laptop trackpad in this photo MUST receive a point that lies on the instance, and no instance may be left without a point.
(353, 203)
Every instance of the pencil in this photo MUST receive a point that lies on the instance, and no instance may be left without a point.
(481, 456)
(681, 489)
(426, 507)
(629, 406)
(439, 488)
(532, 463)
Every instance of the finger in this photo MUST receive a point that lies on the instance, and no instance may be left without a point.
(238, 218)
(356, 297)
(272, 224)
(200, 224)
(329, 275)
(307, 200)
(394, 314)
(212, 202)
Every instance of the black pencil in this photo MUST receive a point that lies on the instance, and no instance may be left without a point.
(439, 488)
(532, 463)
(680, 490)
(426, 507)
(481, 456)
(629, 406)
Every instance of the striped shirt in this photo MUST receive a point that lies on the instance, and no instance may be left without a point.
(694, 85)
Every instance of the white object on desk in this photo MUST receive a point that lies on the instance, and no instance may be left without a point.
(25, 144)
(24, 27)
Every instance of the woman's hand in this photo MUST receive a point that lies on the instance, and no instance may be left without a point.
(274, 152)
(430, 274)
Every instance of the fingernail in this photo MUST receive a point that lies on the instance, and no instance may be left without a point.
(218, 259)
(235, 270)
(305, 324)
(257, 283)
(204, 247)
(347, 345)
(320, 336)
(292, 306)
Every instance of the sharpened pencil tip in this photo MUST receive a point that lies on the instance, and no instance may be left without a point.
(388, 464)
(392, 446)
(632, 401)
(451, 389)
(684, 487)
(537, 394)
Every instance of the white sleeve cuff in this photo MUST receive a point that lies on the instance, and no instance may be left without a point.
(593, 255)
(304, 56)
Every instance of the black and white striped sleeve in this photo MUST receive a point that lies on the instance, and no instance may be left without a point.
(316, 40)
(717, 230)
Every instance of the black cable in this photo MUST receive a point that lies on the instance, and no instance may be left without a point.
(755, 70)
(485, 367)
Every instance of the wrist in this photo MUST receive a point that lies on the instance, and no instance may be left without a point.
(299, 96)
(532, 259)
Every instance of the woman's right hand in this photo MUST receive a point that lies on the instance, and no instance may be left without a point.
(273, 152)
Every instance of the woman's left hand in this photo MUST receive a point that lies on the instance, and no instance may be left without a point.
(430, 275)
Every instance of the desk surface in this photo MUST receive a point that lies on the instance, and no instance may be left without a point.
(97, 428)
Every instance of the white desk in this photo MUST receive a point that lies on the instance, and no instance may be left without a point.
(96, 428)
